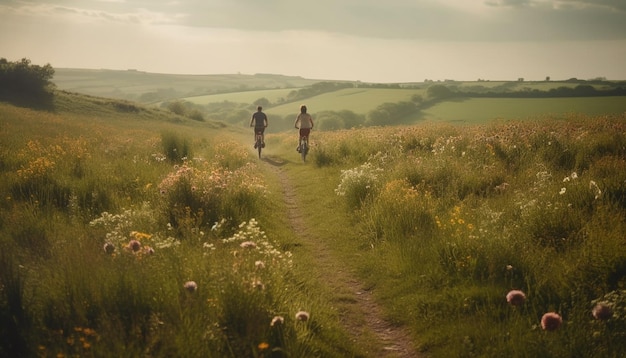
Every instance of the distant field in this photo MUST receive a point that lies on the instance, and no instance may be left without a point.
(242, 97)
(486, 109)
(357, 100)
(364, 100)
(133, 84)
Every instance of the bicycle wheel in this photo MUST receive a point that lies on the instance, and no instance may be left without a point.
(259, 145)
(304, 149)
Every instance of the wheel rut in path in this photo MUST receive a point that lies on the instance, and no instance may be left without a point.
(364, 317)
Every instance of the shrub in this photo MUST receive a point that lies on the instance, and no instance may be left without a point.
(176, 148)
(358, 183)
(200, 196)
(23, 78)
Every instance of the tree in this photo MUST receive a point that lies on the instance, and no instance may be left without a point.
(263, 102)
(439, 92)
(177, 107)
(22, 78)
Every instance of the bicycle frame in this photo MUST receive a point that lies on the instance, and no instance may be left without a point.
(259, 142)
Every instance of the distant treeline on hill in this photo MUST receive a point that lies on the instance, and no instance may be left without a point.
(453, 89)
(582, 90)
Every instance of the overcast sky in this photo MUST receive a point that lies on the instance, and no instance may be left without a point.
(367, 40)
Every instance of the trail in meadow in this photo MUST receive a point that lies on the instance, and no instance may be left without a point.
(363, 318)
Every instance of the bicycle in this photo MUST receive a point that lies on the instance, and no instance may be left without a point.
(304, 147)
(259, 142)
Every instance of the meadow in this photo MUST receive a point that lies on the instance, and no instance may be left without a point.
(485, 110)
(131, 231)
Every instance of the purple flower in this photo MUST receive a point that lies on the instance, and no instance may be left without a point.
(602, 312)
(516, 297)
(551, 321)
(190, 286)
(134, 245)
(109, 248)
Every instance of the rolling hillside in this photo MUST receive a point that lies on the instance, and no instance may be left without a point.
(230, 98)
(150, 87)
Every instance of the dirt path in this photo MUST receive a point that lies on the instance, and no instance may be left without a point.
(364, 318)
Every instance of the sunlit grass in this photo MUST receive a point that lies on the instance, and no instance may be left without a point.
(480, 211)
(122, 238)
(161, 237)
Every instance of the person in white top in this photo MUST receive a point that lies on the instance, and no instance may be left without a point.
(304, 122)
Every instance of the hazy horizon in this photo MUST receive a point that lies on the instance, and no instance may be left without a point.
(356, 40)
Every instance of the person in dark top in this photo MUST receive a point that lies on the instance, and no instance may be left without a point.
(259, 122)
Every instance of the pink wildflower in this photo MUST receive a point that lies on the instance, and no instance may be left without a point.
(602, 312)
(109, 248)
(551, 321)
(302, 316)
(190, 286)
(134, 245)
(516, 297)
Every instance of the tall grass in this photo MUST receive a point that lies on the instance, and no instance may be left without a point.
(122, 237)
(466, 214)
(112, 245)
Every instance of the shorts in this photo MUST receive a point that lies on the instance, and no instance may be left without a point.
(259, 130)
(304, 132)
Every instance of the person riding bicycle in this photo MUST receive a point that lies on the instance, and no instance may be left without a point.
(259, 122)
(304, 122)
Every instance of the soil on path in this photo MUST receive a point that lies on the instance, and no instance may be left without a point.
(364, 319)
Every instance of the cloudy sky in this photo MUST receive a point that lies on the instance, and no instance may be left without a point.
(367, 40)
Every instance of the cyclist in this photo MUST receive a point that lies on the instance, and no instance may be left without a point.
(259, 122)
(304, 122)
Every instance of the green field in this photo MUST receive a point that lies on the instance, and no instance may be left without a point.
(357, 100)
(478, 110)
(245, 90)
(248, 97)
(133, 84)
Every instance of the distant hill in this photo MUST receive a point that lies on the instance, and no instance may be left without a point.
(148, 87)
(230, 98)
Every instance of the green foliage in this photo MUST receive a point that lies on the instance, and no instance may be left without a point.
(439, 92)
(176, 148)
(358, 183)
(109, 249)
(391, 113)
(461, 217)
(198, 196)
(22, 78)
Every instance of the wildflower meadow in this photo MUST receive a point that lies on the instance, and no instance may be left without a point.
(470, 218)
(128, 238)
(140, 233)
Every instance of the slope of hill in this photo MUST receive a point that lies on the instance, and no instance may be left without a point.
(151, 87)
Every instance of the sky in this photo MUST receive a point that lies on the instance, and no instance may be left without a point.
(383, 41)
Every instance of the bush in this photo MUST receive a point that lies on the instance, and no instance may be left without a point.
(23, 78)
(175, 147)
